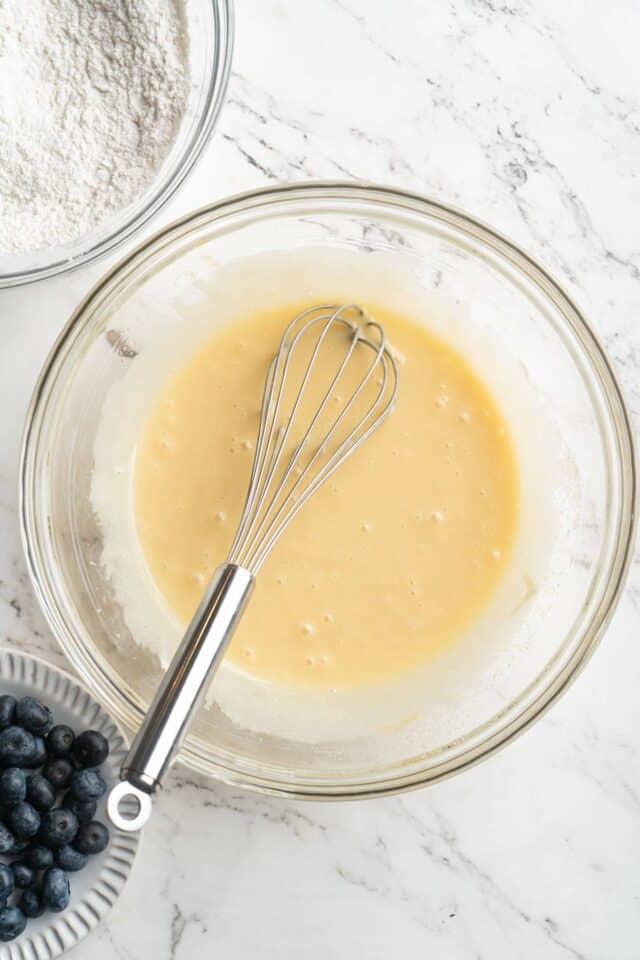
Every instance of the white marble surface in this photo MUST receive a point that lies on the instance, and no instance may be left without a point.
(525, 112)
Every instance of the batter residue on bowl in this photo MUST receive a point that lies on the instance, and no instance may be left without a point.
(390, 561)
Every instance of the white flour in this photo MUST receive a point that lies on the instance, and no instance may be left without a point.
(92, 93)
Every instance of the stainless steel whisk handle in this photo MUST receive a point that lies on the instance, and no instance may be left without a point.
(181, 690)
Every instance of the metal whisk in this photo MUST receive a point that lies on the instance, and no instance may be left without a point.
(310, 424)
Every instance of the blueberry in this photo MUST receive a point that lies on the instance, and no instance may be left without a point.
(13, 786)
(7, 839)
(70, 859)
(19, 846)
(33, 715)
(58, 773)
(7, 710)
(31, 903)
(87, 785)
(39, 857)
(23, 875)
(24, 821)
(17, 747)
(12, 923)
(40, 793)
(59, 827)
(55, 889)
(91, 838)
(41, 756)
(60, 740)
(7, 881)
(91, 749)
(85, 810)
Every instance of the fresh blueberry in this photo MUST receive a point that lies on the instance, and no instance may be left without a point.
(7, 710)
(7, 881)
(39, 857)
(55, 889)
(7, 839)
(33, 715)
(41, 756)
(12, 923)
(23, 875)
(85, 810)
(60, 740)
(58, 773)
(70, 859)
(91, 838)
(19, 847)
(87, 785)
(13, 786)
(59, 827)
(31, 903)
(91, 749)
(17, 747)
(40, 793)
(24, 821)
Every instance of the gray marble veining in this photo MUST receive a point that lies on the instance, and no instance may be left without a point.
(526, 113)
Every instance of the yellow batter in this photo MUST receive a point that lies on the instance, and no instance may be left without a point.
(391, 559)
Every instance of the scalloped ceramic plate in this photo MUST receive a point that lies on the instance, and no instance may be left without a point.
(96, 888)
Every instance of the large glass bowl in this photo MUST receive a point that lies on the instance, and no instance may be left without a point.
(211, 43)
(513, 302)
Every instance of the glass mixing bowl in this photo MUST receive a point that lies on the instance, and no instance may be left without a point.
(512, 303)
(211, 44)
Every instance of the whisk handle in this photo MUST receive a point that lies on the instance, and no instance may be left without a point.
(181, 690)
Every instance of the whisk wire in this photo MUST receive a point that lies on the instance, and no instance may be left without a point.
(273, 498)
(270, 534)
(268, 451)
(268, 414)
(261, 552)
(282, 434)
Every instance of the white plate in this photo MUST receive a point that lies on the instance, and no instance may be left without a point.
(95, 889)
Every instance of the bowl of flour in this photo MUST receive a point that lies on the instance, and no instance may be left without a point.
(104, 110)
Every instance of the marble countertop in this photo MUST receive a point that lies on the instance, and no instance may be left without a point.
(526, 113)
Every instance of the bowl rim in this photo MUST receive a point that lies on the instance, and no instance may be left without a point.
(218, 79)
(619, 421)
